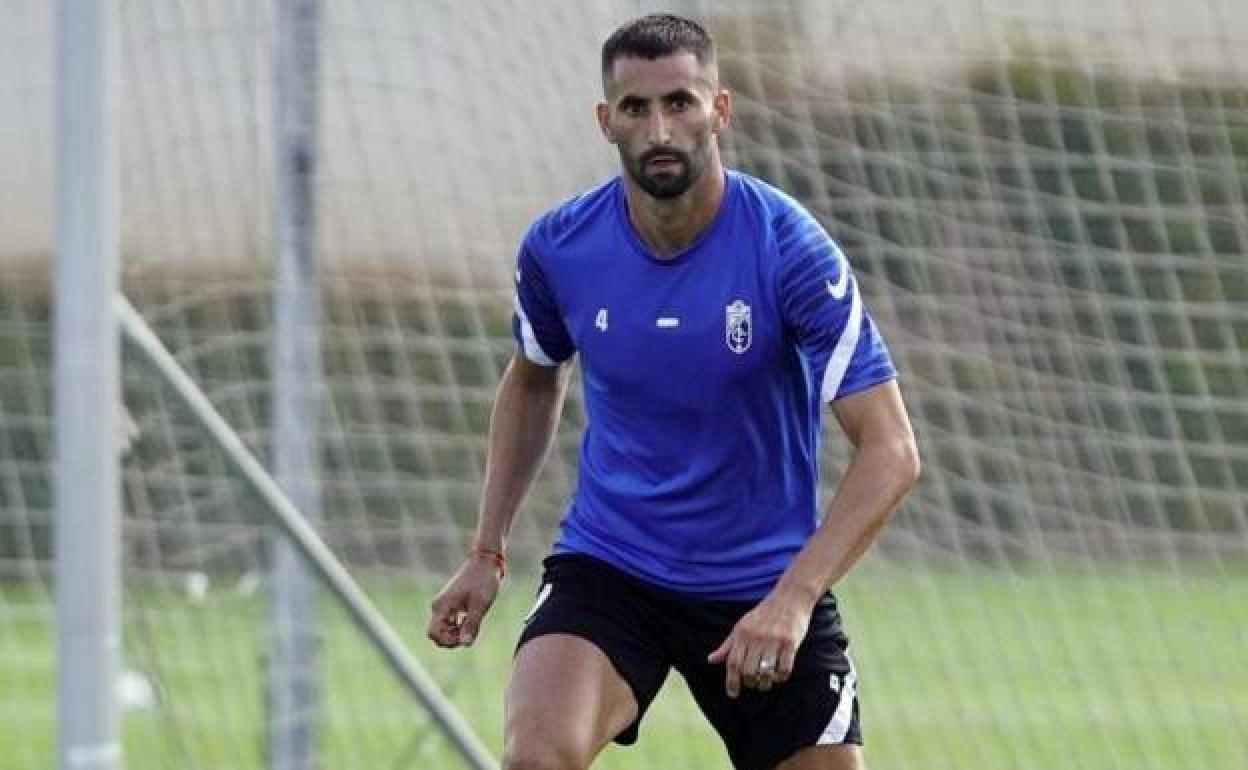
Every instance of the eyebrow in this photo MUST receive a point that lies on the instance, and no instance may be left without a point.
(686, 93)
(679, 93)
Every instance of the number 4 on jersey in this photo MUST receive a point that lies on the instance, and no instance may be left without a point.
(601, 319)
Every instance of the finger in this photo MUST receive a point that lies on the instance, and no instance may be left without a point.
(469, 627)
(470, 623)
(764, 669)
(785, 662)
(767, 669)
(749, 668)
(444, 628)
(444, 620)
(721, 652)
(445, 634)
(733, 670)
(437, 621)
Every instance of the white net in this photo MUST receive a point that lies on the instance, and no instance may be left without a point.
(1045, 205)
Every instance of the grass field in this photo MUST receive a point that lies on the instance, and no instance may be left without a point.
(970, 669)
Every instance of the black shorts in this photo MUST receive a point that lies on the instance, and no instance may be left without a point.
(645, 631)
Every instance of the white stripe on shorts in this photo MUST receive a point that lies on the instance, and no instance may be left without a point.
(838, 726)
(542, 595)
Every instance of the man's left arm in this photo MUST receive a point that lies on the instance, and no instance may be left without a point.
(883, 468)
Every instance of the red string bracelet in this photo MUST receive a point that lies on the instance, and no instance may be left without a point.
(500, 561)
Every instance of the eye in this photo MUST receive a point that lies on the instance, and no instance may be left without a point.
(680, 103)
(633, 109)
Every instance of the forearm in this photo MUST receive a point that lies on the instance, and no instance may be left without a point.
(877, 479)
(522, 427)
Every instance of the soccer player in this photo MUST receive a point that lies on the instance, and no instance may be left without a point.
(713, 318)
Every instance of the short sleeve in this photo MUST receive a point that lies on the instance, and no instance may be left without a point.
(823, 308)
(537, 323)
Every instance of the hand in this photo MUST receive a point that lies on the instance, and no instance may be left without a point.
(763, 644)
(456, 612)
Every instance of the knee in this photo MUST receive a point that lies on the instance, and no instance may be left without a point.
(540, 755)
(538, 760)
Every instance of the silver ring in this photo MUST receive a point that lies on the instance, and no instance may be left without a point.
(765, 666)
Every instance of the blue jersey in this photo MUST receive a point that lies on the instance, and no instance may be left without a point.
(704, 377)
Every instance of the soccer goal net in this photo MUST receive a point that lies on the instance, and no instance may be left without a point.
(1044, 203)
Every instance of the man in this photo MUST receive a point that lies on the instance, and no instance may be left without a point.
(713, 317)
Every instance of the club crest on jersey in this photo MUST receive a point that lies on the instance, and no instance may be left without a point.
(738, 327)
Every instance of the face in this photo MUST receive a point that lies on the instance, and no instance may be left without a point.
(662, 115)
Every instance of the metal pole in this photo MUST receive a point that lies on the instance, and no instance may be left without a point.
(87, 571)
(293, 677)
(326, 566)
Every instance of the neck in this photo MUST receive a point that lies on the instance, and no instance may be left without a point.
(668, 225)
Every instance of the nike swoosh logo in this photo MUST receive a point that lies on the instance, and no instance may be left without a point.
(838, 289)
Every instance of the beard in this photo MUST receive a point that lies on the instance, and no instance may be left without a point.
(664, 184)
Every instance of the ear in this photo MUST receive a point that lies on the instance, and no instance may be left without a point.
(722, 106)
(604, 121)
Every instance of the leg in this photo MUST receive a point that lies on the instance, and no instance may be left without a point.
(565, 701)
(843, 757)
(809, 722)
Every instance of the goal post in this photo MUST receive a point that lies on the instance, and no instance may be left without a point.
(88, 531)
(294, 691)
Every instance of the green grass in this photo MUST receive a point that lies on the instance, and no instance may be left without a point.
(968, 669)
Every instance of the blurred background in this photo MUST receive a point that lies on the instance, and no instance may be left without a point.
(1044, 202)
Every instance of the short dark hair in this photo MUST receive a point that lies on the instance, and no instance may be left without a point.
(655, 36)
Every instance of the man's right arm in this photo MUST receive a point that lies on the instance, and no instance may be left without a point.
(522, 426)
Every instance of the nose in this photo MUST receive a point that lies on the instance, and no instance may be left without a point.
(659, 129)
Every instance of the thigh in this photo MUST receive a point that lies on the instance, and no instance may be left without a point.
(591, 640)
(843, 757)
(811, 718)
(565, 701)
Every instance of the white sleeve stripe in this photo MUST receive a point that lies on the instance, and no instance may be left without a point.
(838, 726)
(528, 340)
(838, 362)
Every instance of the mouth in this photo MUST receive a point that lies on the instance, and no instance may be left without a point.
(663, 162)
